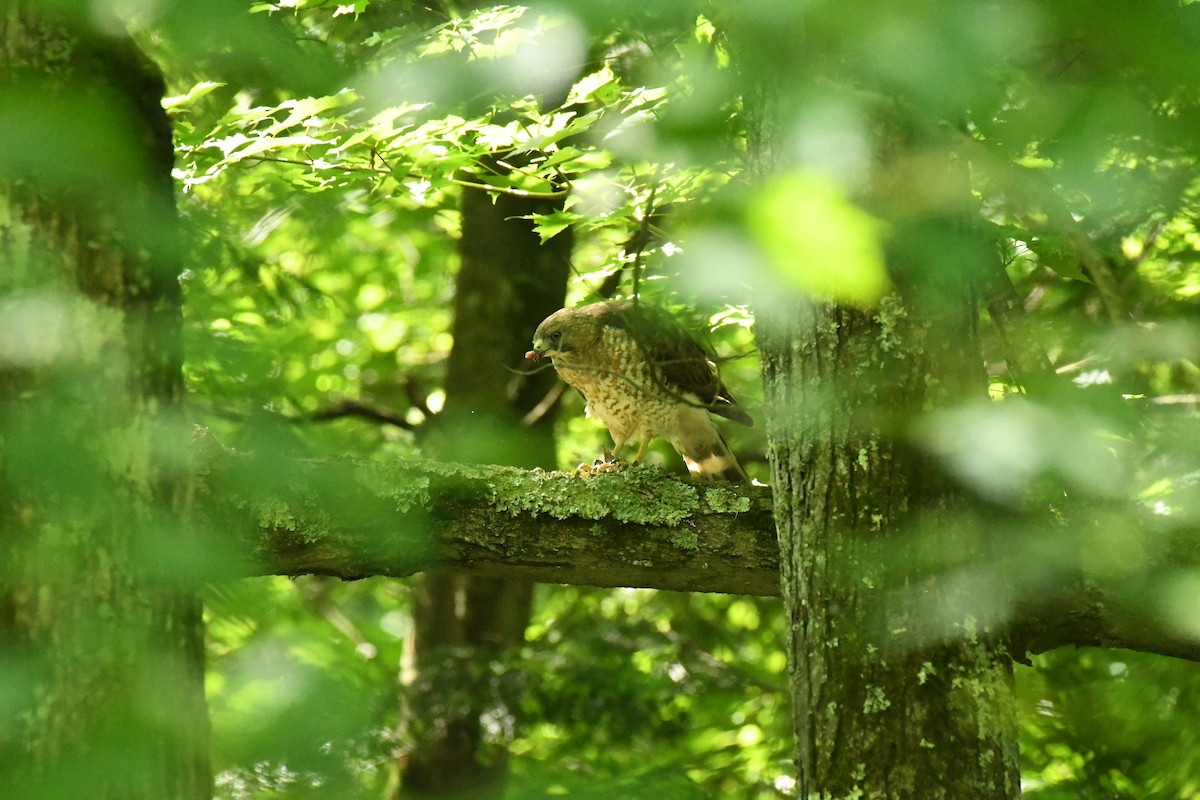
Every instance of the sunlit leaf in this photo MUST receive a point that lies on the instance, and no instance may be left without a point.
(550, 225)
(590, 87)
(819, 241)
(201, 89)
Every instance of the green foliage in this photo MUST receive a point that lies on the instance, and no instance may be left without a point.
(1109, 724)
(322, 153)
(301, 683)
(639, 683)
(324, 232)
(821, 244)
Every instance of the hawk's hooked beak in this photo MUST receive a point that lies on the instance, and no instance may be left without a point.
(539, 350)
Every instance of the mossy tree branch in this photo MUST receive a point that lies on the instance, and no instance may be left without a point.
(634, 527)
(355, 519)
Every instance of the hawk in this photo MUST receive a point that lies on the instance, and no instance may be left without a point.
(643, 376)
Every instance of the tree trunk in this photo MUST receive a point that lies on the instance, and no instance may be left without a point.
(100, 626)
(882, 705)
(897, 692)
(507, 284)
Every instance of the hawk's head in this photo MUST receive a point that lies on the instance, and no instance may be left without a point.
(563, 333)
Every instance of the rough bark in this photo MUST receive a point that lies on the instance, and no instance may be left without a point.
(882, 705)
(507, 283)
(897, 690)
(638, 527)
(99, 621)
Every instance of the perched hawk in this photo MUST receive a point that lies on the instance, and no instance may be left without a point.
(644, 376)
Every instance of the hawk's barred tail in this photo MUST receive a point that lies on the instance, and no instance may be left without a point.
(713, 460)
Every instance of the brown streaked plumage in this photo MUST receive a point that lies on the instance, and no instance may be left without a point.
(644, 376)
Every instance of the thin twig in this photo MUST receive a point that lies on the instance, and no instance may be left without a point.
(355, 408)
(538, 412)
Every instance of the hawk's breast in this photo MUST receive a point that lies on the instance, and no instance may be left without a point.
(620, 386)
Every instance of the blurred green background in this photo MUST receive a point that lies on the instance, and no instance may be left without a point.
(322, 154)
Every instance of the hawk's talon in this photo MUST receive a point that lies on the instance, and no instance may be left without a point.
(603, 464)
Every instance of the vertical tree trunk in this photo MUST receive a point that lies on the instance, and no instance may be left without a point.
(507, 284)
(882, 707)
(888, 702)
(100, 626)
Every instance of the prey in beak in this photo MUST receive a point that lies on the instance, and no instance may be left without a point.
(550, 340)
(539, 350)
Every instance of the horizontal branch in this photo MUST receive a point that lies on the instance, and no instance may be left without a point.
(634, 527)
(1138, 593)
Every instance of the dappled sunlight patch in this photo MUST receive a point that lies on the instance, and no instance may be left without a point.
(1178, 597)
(1002, 450)
(817, 241)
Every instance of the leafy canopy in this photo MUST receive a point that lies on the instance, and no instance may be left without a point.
(323, 149)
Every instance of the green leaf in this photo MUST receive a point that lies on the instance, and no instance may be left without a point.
(1057, 254)
(499, 137)
(195, 93)
(550, 225)
(819, 241)
(590, 87)
(265, 144)
(577, 161)
(354, 8)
